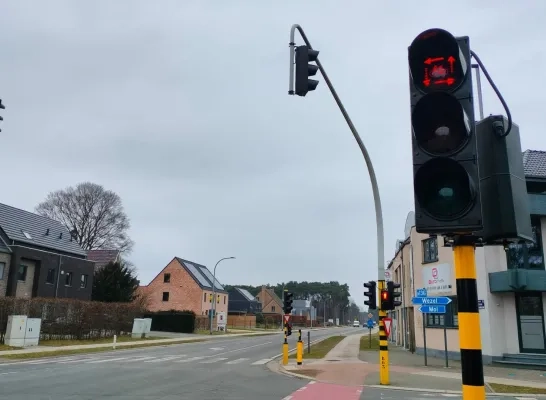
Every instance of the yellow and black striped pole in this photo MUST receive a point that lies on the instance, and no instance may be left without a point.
(383, 344)
(470, 341)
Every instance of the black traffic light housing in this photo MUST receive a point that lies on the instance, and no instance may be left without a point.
(386, 300)
(304, 56)
(393, 294)
(445, 158)
(1, 108)
(288, 300)
(371, 294)
(288, 329)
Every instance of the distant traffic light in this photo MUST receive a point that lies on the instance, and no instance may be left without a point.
(391, 287)
(445, 168)
(371, 295)
(386, 303)
(305, 55)
(1, 108)
(288, 299)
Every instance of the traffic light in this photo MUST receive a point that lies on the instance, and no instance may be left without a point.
(371, 295)
(304, 56)
(393, 295)
(444, 147)
(386, 303)
(288, 329)
(288, 299)
(1, 108)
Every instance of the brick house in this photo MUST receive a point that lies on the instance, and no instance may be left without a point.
(39, 258)
(271, 303)
(184, 285)
(103, 257)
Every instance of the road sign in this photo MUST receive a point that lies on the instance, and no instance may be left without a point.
(370, 323)
(444, 301)
(370, 315)
(433, 309)
(421, 292)
(286, 318)
(387, 322)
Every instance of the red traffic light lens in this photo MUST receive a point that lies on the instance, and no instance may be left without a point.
(384, 295)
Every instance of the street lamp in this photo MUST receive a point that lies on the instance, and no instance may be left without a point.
(214, 290)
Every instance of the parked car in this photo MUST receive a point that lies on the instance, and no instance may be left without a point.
(356, 324)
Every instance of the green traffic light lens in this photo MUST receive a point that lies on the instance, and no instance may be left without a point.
(440, 125)
(444, 189)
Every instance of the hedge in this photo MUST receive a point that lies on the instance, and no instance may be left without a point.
(172, 321)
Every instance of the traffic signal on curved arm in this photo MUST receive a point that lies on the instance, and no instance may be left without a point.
(305, 55)
(444, 147)
(371, 295)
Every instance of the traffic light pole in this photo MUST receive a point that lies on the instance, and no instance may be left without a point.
(367, 159)
(470, 342)
(383, 343)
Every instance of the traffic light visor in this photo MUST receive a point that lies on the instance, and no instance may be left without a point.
(444, 189)
(440, 125)
(436, 62)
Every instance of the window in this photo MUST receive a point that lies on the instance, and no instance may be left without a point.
(166, 278)
(272, 308)
(165, 296)
(224, 299)
(83, 281)
(451, 316)
(204, 297)
(527, 255)
(22, 273)
(27, 235)
(430, 250)
(68, 279)
(2, 268)
(50, 278)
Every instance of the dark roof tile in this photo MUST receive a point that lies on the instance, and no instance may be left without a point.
(534, 163)
(42, 231)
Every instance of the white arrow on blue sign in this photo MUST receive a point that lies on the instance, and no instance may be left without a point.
(431, 300)
(433, 309)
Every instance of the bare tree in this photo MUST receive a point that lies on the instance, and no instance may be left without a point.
(93, 215)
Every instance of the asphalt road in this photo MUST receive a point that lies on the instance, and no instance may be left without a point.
(232, 368)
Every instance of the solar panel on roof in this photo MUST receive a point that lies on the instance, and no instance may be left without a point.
(247, 294)
(207, 273)
(193, 269)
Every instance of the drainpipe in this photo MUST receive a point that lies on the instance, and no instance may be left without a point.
(58, 276)
(403, 286)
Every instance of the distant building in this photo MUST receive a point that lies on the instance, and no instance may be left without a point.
(103, 257)
(304, 308)
(271, 303)
(184, 285)
(39, 258)
(242, 302)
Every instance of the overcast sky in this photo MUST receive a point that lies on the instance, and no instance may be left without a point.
(181, 107)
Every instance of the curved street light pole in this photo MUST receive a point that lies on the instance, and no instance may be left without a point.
(213, 310)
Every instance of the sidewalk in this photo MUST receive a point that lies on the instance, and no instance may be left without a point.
(345, 364)
(152, 342)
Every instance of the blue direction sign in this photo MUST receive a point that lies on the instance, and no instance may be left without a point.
(421, 292)
(444, 301)
(370, 323)
(433, 309)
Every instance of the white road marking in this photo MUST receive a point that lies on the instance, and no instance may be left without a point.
(261, 362)
(77, 360)
(107, 360)
(140, 359)
(237, 361)
(164, 359)
(189, 359)
(213, 360)
(216, 348)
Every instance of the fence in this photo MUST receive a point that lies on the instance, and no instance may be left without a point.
(241, 321)
(68, 319)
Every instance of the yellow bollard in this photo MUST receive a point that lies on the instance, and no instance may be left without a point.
(285, 349)
(299, 352)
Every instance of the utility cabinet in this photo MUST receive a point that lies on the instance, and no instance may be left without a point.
(22, 331)
(141, 327)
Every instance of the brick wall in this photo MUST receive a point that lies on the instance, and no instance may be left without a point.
(5, 259)
(221, 304)
(184, 293)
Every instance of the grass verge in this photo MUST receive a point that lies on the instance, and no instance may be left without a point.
(500, 388)
(42, 354)
(365, 342)
(119, 339)
(320, 349)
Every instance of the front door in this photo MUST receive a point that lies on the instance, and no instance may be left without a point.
(530, 322)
